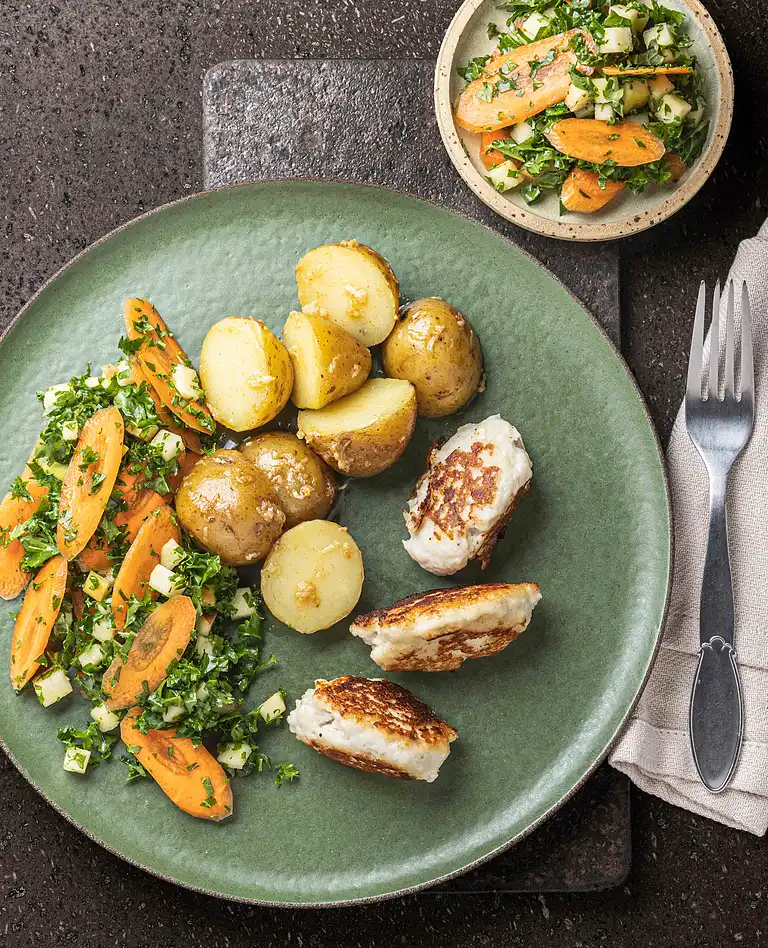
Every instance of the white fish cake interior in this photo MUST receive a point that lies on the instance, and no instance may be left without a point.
(465, 498)
(373, 724)
(440, 629)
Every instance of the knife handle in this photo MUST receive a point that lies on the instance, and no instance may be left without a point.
(716, 714)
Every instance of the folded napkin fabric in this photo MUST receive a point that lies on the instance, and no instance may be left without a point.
(654, 750)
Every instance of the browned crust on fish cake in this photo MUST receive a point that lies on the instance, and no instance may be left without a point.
(449, 492)
(360, 761)
(433, 602)
(386, 706)
(485, 551)
(461, 640)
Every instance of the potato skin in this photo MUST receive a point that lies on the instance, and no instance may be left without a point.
(328, 362)
(246, 372)
(230, 508)
(304, 485)
(435, 349)
(363, 451)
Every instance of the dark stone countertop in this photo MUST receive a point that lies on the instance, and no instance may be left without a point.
(100, 120)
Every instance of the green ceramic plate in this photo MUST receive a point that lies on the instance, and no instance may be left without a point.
(594, 533)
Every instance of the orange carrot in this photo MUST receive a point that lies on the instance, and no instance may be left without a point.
(489, 155)
(141, 558)
(36, 619)
(582, 192)
(648, 71)
(624, 143)
(13, 512)
(160, 641)
(482, 107)
(189, 776)
(89, 481)
(157, 357)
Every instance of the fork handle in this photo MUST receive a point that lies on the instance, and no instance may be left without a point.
(716, 609)
(716, 710)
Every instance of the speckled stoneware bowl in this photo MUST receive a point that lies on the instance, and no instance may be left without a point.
(629, 213)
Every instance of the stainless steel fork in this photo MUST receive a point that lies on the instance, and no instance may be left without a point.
(719, 428)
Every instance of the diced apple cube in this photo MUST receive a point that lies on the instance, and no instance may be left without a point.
(661, 34)
(166, 582)
(576, 99)
(617, 39)
(186, 382)
(52, 687)
(76, 760)
(171, 554)
(672, 108)
(604, 111)
(171, 445)
(273, 707)
(504, 176)
(659, 86)
(94, 655)
(521, 132)
(635, 94)
(235, 756)
(106, 719)
(637, 18)
(241, 604)
(97, 586)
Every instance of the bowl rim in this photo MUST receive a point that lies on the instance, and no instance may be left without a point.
(574, 230)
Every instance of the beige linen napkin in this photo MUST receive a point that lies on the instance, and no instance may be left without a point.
(654, 750)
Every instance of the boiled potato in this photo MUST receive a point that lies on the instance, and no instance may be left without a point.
(353, 286)
(230, 508)
(246, 372)
(303, 483)
(313, 576)
(435, 349)
(328, 362)
(364, 433)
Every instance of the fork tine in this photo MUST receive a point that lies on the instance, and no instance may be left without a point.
(714, 342)
(729, 368)
(747, 359)
(693, 389)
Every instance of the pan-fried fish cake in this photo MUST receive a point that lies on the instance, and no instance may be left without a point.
(441, 629)
(465, 498)
(372, 724)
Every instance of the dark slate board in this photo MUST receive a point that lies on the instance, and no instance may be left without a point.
(372, 121)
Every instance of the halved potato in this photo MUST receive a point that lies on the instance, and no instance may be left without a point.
(246, 372)
(435, 349)
(328, 362)
(353, 286)
(364, 433)
(313, 576)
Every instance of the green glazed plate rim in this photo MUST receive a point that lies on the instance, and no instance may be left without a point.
(597, 760)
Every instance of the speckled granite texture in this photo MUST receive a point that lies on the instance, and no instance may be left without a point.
(100, 119)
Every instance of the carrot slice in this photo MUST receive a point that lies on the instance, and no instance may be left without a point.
(624, 143)
(89, 481)
(141, 558)
(157, 357)
(13, 512)
(160, 641)
(648, 71)
(482, 107)
(582, 192)
(189, 776)
(36, 619)
(489, 155)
